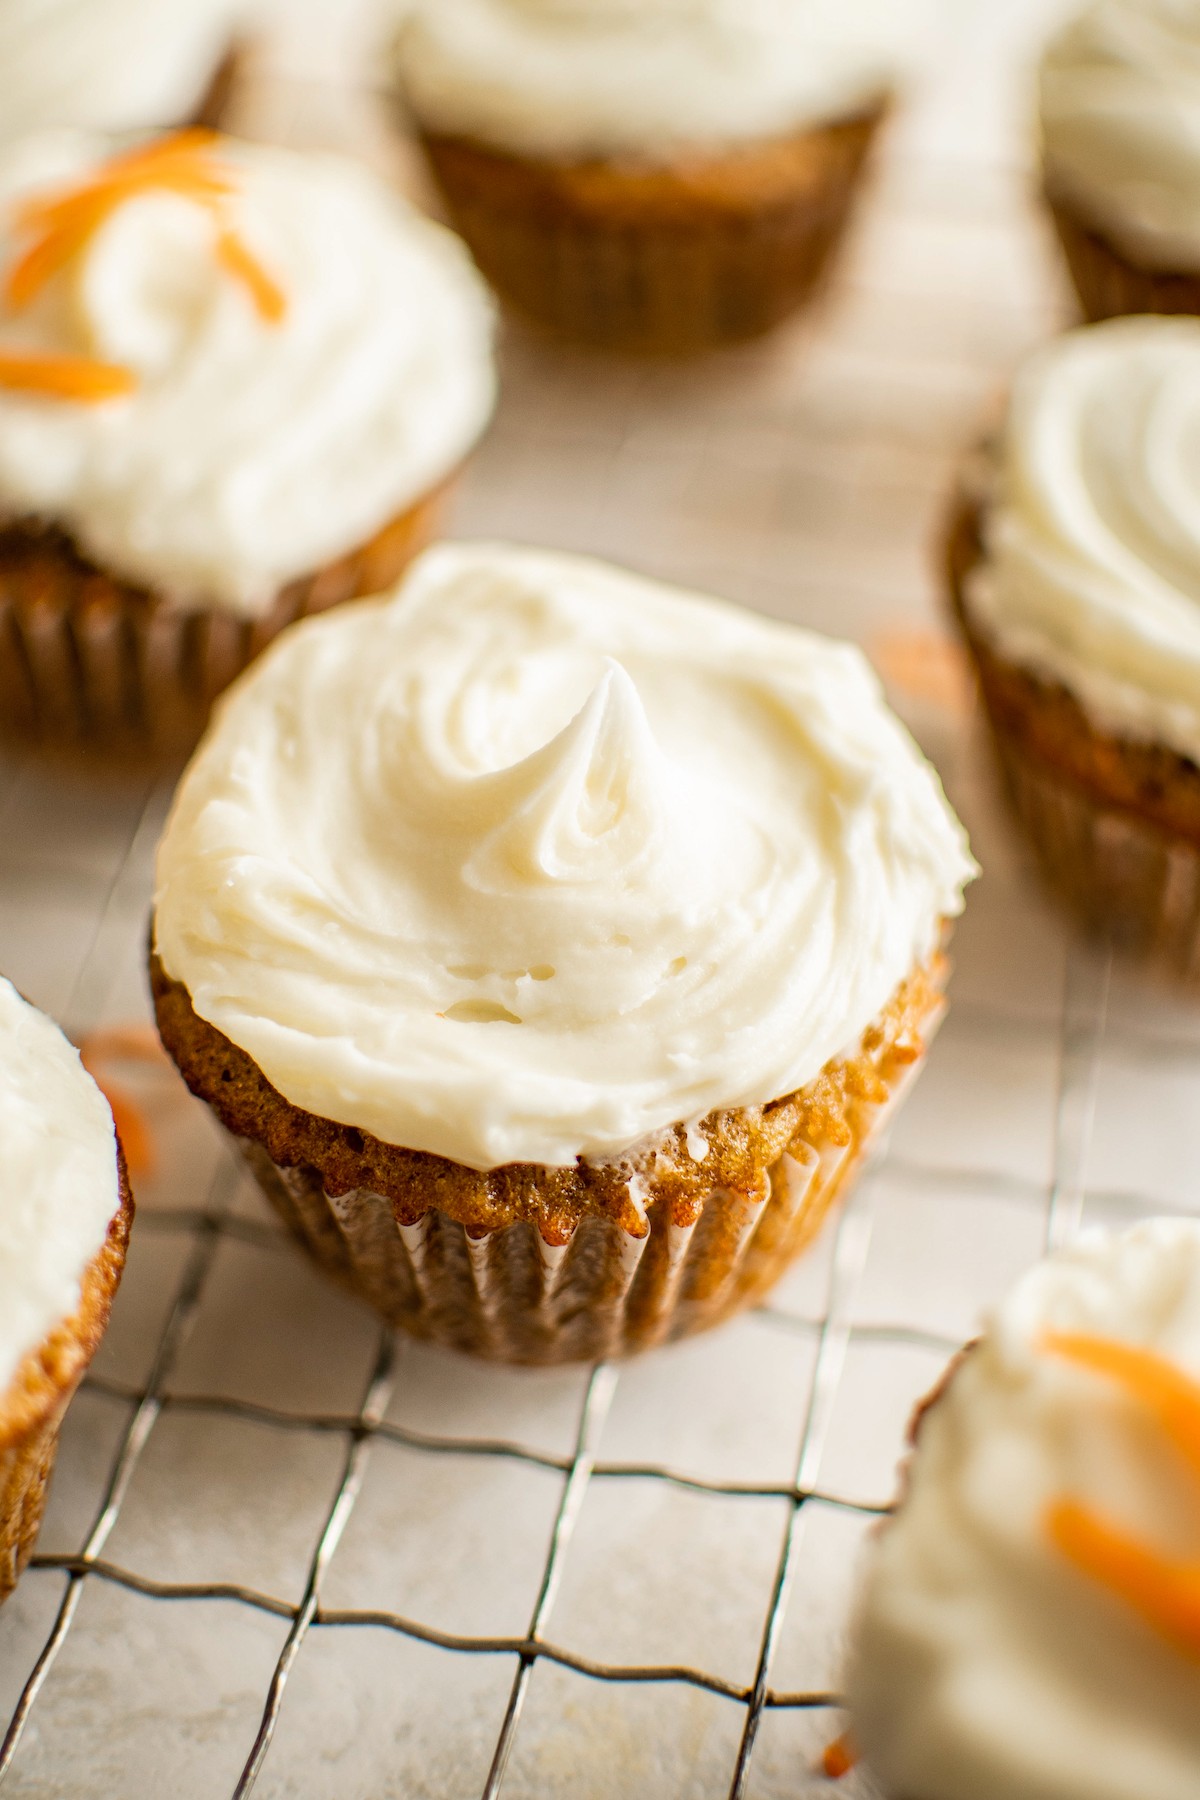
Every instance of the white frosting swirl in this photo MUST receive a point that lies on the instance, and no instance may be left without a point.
(986, 1666)
(1120, 116)
(1092, 573)
(58, 1178)
(642, 77)
(108, 65)
(536, 858)
(252, 452)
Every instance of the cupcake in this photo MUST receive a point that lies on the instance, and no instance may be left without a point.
(1120, 127)
(1075, 569)
(115, 65)
(553, 943)
(235, 384)
(65, 1214)
(1029, 1624)
(654, 175)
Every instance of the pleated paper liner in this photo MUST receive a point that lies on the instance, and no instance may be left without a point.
(606, 1291)
(1108, 284)
(659, 261)
(88, 660)
(32, 1412)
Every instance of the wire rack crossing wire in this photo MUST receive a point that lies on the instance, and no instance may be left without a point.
(289, 1555)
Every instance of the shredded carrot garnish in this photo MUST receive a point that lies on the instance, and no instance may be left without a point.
(839, 1759)
(244, 266)
(1172, 1397)
(1163, 1591)
(79, 378)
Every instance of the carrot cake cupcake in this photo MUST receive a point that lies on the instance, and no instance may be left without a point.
(115, 65)
(1029, 1624)
(235, 383)
(659, 175)
(64, 1220)
(1120, 126)
(553, 942)
(1075, 566)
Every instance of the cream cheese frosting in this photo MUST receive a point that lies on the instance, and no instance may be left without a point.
(108, 65)
(1092, 569)
(987, 1665)
(252, 451)
(642, 77)
(58, 1178)
(535, 858)
(1120, 121)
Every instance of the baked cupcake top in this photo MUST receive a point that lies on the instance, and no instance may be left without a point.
(245, 360)
(58, 1178)
(108, 65)
(580, 78)
(534, 858)
(1092, 529)
(1120, 117)
(1030, 1620)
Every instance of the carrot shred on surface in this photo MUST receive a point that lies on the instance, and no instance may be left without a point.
(80, 378)
(240, 262)
(1163, 1591)
(839, 1759)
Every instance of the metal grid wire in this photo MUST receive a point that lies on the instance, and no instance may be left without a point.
(635, 463)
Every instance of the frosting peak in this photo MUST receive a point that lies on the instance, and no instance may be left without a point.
(679, 854)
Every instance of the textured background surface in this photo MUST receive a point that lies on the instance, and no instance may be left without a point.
(244, 1425)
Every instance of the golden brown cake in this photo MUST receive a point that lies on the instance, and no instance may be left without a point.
(1080, 621)
(188, 462)
(65, 1213)
(660, 178)
(544, 941)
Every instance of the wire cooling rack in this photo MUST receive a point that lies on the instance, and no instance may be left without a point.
(286, 1553)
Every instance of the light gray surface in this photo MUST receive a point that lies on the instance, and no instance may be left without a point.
(806, 478)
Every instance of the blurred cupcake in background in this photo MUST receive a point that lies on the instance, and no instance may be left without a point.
(235, 383)
(659, 175)
(555, 944)
(65, 1212)
(1120, 127)
(1075, 568)
(116, 65)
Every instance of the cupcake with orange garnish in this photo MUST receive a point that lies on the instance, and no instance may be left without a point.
(117, 65)
(1029, 1627)
(65, 1212)
(235, 385)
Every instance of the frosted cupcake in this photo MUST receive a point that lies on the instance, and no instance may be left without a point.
(1029, 1627)
(554, 943)
(658, 175)
(64, 1223)
(115, 65)
(1120, 123)
(1075, 564)
(235, 384)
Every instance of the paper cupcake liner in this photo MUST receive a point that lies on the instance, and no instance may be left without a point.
(1108, 285)
(1126, 879)
(625, 265)
(88, 659)
(32, 1413)
(512, 1297)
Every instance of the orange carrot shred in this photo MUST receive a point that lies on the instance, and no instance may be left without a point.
(839, 1759)
(65, 377)
(239, 261)
(1164, 1593)
(1171, 1396)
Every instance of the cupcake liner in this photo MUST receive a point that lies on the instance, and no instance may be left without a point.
(510, 1296)
(1108, 285)
(663, 262)
(88, 659)
(32, 1412)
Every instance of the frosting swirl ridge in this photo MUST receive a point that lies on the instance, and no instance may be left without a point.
(536, 858)
(1092, 569)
